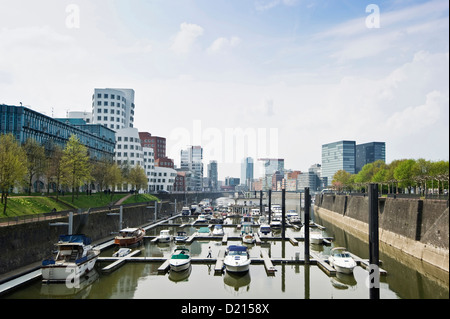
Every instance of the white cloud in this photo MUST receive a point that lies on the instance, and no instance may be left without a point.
(263, 5)
(223, 44)
(185, 38)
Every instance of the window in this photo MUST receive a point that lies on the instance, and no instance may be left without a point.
(99, 103)
(112, 103)
(99, 111)
(105, 103)
(105, 96)
(99, 95)
(99, 118)
(112, 96)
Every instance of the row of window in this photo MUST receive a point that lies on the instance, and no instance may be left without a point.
(113, 97)
(110, 111)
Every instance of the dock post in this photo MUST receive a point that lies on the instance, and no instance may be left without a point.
(283, 214)
(156, 210)
(270, 205)
(260, 201)
(374, 270)
(306, 223)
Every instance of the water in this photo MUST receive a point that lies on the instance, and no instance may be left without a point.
(141, 280)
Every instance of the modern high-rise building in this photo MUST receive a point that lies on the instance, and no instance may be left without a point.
(369, 153)
(191, 159)
(213, 176)
(113, 108)
(338, 156)
(267, 167)
(247, 171)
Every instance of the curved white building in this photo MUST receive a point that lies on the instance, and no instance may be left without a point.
(113, 108)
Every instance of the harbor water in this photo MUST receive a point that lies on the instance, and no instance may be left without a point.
(405, 279)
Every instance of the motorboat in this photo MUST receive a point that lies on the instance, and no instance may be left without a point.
(341, 260)
(201, 219)
(194, 209)
(275, 221)
(237, 259)
(75, 257)
(204, 231)
(316, 237)
(218, 230)
(264, 230)
(130, 237)
(122, 252)
(185, 211)
(164, 236)
(247, 234)
(255, 212)
(180, 259)
(181, 237)
(247, 219)
(276, 209)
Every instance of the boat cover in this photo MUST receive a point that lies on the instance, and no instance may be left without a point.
(81, 239)
(237, 248)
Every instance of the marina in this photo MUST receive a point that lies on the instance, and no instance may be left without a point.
(146, 272)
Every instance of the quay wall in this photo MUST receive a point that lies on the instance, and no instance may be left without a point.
(29, 243)
(417, 227)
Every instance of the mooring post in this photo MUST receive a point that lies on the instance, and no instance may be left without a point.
(374, 254)
(306, 224)
(270, 205)
(156, 210)
(283, 213)
(260, 201)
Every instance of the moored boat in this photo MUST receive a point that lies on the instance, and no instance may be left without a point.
(237, 259)
(218, 230)
(185, 211)
(181, 237)
(122, 252)
(75, 257)
(315, 237)
(341, 260)
(164, 236)
(129, 237)
(180, 259)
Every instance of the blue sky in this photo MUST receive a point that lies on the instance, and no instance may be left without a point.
(291, 74)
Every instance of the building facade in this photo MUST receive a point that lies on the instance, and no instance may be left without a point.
(213, 176)
(247, 171)
(369, 153)
(113, 108)
(338, 156)
(25, 123)
(191, 159)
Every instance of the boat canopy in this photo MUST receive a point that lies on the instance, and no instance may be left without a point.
(237, 248)
(75, 239)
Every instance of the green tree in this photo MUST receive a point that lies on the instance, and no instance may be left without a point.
(53, 170)
(403, 173)
(137, 177)
(12, 166)
(341, 180)
(113, 177)
(35, 160)
(75, 164)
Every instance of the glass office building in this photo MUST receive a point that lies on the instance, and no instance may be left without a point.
(338, 156)
(369, 153)
(25, 123)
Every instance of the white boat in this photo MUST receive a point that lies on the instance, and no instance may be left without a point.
(341, 260)
(247, 219)
(75, 257)
(255, 212)
(247, 234)
(237, 259)
(181, 237)
(275, 221)
(185, 211)
(218, 230)
(201, 219)
(265, 230)
(129, 237)
(180, 260)
(276, 209)
(164, 236)
(122, 252)
(315, 237)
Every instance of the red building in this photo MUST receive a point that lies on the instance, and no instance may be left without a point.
(157, 143)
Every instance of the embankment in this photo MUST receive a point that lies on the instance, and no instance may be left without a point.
(416, 227)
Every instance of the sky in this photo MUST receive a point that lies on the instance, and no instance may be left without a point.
(259, 78)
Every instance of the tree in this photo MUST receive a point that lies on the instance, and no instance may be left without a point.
(53, 170)
(404, 173)
(100, 172)
(12, 165)
(341, 179)
(75, 164)
(35, 154)
(113, 177)
(137, 177)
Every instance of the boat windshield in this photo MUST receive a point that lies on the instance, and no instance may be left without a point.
(342, 254)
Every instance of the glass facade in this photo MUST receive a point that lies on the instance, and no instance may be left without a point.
(338, 156)
(25, 123)
(369, 153)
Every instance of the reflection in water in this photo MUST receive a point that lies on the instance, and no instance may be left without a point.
(79, 290)
(343, 281)
(237, 283)
(177, 276)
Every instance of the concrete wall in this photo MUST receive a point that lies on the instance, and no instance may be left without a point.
(28, 243)
(417, 227)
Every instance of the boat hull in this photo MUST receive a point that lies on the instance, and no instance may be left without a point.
(68, 271)
(344, 266)
(234, 266)
(179, 265)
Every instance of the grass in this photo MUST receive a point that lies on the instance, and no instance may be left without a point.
(29, 205)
